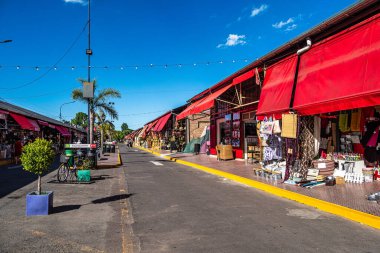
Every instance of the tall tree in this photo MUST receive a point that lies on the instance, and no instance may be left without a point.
(80, 119)
(99, 102)
(124, 127)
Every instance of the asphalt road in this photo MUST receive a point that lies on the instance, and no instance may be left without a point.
(175, 208)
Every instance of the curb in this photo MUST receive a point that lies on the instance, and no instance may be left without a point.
(338, 210)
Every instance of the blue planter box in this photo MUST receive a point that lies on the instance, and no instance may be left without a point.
(84, 175)
(39, 204)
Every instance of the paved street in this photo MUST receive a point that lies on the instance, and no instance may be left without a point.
(175, 208)
(86, 217)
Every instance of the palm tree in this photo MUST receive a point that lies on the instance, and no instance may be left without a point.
(99, 102)
(104, 125)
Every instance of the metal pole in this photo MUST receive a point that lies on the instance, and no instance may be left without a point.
(89, 141)
(60, 108)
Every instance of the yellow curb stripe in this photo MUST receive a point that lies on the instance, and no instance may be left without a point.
(342, 211)
(118, 158)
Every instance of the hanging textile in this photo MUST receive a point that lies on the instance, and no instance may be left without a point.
(355, 120)
(343, 122)
(307, 146)
(317, 134)
(291, 156)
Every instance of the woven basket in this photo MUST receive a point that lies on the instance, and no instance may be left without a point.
(324, 170)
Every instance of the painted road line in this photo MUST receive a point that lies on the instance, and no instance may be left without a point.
(156, 163)
(338, 210)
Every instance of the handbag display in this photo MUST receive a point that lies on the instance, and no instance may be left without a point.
(266, 127)
(289, 126)
(276, 127)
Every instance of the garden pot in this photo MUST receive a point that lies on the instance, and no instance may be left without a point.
(84, 176)
(39, 204)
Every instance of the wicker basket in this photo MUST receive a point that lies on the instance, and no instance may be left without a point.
(325, 167)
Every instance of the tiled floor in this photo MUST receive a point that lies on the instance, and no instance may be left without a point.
(350, 195)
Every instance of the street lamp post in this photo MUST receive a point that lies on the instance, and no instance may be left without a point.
(60, 108)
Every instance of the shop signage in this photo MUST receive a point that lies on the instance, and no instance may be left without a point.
(88, 89)
(80, 145)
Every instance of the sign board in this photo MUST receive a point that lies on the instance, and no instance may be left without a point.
(88, 89)
(80, 145)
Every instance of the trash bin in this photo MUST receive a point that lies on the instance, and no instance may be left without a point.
(91, 155)
(197, 148)
(108, 148)
(112, 149)
(70, 153)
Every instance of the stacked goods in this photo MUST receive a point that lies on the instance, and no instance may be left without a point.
(325, 167)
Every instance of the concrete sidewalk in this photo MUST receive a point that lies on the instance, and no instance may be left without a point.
(86, 217)
(350, 196)
(109, 160)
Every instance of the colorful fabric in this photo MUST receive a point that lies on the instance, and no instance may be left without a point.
(355, 120)
(306, 139)
(343, 122)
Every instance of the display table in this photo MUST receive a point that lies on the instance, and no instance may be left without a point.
(224, 152)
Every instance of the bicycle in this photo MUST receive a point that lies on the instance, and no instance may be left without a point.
(69, 167)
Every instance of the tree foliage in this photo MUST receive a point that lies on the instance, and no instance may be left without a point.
(37, 156)
(80, 119)
(124, 127)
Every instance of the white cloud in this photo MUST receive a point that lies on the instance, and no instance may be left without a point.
(257, 11)
(82, 2)
(281, 24)
(291, 27)
(233, 40)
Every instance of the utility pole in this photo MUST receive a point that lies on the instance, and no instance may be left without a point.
(89, 53)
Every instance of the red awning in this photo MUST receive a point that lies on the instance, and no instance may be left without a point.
(23, 122)
(43, 123)
(63, 130)
(35, 125)
(244, 77)
(203, 104)
(150, 126)
(277, 88)
(341, 72)
(162, 122)
(3, 112)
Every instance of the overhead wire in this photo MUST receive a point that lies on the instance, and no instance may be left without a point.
(51, 67)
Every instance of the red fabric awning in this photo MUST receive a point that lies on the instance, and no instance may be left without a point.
(35, 125)
(341, 72)
(277, 88)
(23, 122)
(150, 126)
(43, 123)
(162, 122)
(63, 130)
(243, 77)
(202, 104)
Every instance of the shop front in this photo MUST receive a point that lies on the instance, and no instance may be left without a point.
(332, 91)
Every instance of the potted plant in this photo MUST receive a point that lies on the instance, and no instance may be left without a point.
(84, 172)
(37, 157)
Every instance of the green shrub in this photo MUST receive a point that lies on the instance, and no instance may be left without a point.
(37, 157)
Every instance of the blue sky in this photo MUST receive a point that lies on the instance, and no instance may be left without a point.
(132, 42)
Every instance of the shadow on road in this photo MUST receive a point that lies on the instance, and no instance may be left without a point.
(65, 208)
(112, 198)
(13, 177)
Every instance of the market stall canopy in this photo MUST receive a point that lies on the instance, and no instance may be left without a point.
(43, 123)
(342, 72)
(162, 122)
(63, 131)
(203, 104)
(277, 88)
(23, 122)
(244, 77)
(34, 123)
